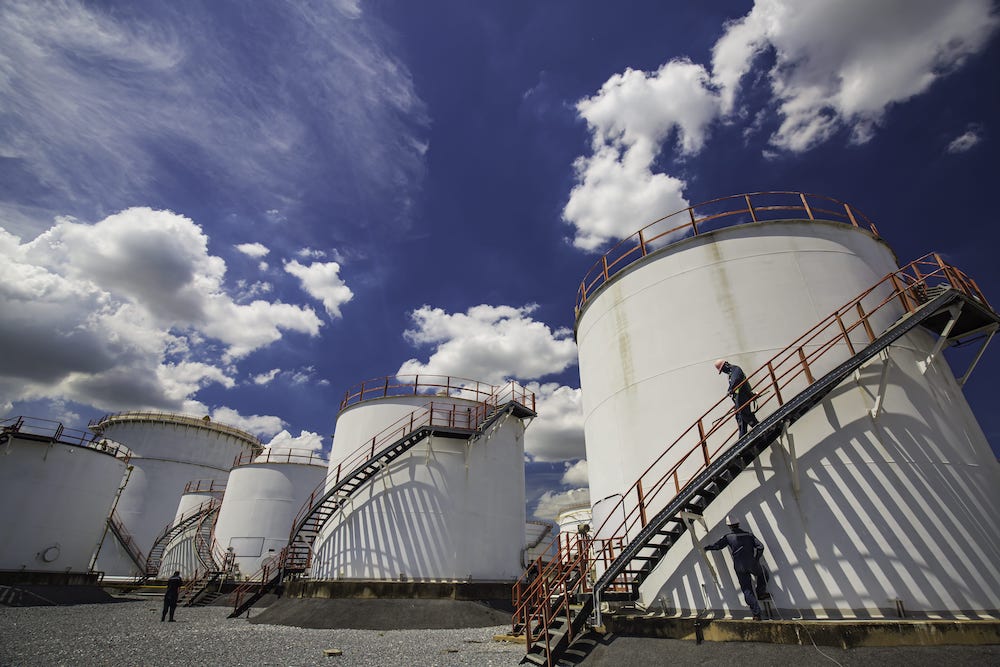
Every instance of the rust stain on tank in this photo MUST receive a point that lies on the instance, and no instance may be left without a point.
(623, 338)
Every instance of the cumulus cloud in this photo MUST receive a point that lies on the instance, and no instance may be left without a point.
(321, 280)
(253, 249)
(865, 58)
(847, 74)
(259, 425)
(965, 141)
(306, 440)
(488, 343)
(125, 313)
(553, 502)
(265, 378)
(631, 116)
(576, 474)
(557, 433)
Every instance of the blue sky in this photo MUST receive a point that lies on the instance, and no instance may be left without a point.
(244, 209)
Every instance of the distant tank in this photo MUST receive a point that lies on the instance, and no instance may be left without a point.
(169, 450)
(430, 470)
(264, 493)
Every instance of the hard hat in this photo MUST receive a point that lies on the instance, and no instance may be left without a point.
(719, 363)
(732, 520)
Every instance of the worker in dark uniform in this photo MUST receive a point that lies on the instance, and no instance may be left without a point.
(171, 596)
(746, 551)
(741, 393)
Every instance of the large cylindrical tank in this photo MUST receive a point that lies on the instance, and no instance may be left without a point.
(894, 506)
(449, 509)
(57, 487)
(182, 552)
(263, 495)
(169, 451)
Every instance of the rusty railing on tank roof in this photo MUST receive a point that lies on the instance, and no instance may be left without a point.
(282, 455)
(417, 385)
(695, 220)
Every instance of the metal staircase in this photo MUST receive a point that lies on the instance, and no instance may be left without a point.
(155, 557)
(554, 607)
(447, 420)
(208, 585)
(125, 538)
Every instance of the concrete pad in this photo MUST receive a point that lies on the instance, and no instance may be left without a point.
(381, 614)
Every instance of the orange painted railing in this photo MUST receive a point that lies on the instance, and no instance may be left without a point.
(126, 540)
(97, 425)
(850, 328)
(712, 215)
(270, 568)
(416, 385)
(49, 428)
(205, 486)
(171, 530)
(282, 455)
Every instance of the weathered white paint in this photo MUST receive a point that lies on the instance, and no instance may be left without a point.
(57, 499)
(897, 507)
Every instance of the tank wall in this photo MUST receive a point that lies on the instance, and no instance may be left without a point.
(57, 499)
(176, 442)
(261, 502)
(446, 510)
(647, 341)
(900, 507)
(359, 423)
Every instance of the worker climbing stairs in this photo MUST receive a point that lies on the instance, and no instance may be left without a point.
(557, 598)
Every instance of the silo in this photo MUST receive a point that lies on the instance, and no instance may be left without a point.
(169, 450)
(262, 497)
(448, 509)
(882, 496)
(188, 550)
(58, 486)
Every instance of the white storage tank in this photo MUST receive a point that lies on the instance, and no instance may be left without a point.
(450, 509)
(58, 486)
(169, 450)
(263, 495)
(889, 508)
(182, 552)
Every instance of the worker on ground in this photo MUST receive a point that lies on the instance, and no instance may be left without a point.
(741, 393)
(171, 596)
(746, 551)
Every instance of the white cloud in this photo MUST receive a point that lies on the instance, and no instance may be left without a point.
(845, 64)
(306, 440)
(553, 502)
(557, 433)
(576, 474)
(259, 425)
(265, 378)
(488, 343)
(965, 141)
(312, 253)
(253, 249)
(632, 115)
(125, 313)
(321, 280)
(119, 95)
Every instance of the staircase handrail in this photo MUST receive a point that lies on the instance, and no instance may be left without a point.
(126, 539)
(270, 568)
(908, 286)
(172, 528)
(740, 209)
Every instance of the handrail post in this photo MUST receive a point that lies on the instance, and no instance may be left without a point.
(805, 365)
(864, 320)
(642, 503)
(774, 383)
(843, 330)
(704, 443)
(642, 243)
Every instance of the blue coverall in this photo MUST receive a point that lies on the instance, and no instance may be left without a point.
(746, 551)
(741, 397)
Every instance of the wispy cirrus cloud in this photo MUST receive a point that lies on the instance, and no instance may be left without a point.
(98, 104)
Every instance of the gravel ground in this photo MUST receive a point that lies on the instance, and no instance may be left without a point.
(130, 634)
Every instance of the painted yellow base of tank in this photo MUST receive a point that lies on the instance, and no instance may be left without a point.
(843, 633)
